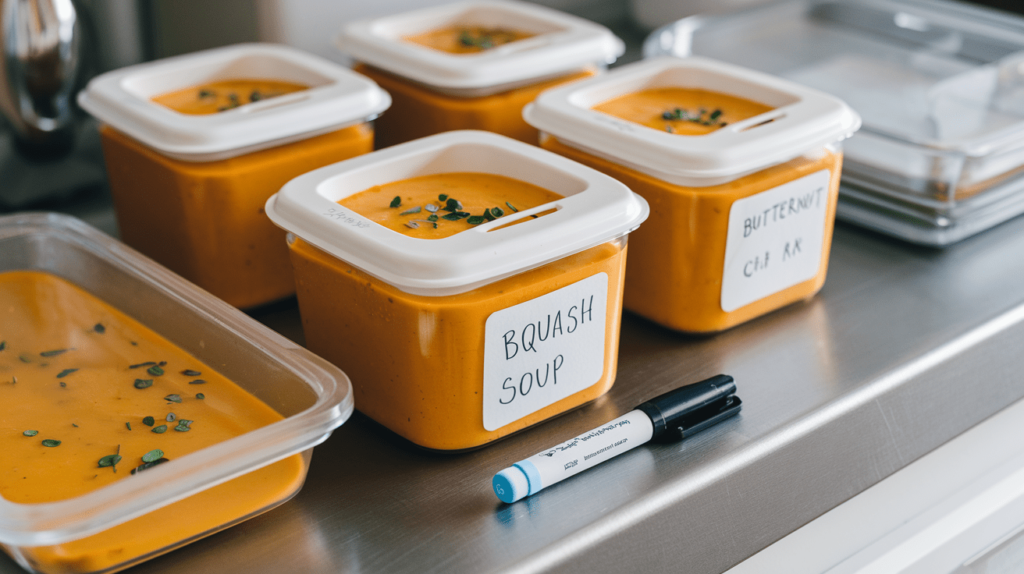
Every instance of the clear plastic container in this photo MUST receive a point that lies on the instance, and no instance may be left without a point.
(453, 343)
(741, 216)
(127, 522)
(436, 91)
(940, 86)
(189, 189)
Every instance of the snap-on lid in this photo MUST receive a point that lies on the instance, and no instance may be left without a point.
(595, 208)
(337, 97)
(562, 44)
(802, 119)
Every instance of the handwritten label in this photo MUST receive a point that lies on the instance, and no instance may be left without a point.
(774, 240)
(543, 350)
(348, 219)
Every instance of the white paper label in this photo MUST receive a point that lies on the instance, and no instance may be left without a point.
(544, 350)
(774, 240)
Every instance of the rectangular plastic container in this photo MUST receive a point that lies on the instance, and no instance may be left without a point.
(940, 86)
(741, 217)
(125, 523)
(189, 189)
(436, 91)
(451, 342)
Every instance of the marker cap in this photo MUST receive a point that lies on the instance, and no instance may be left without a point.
(688, 410)
(511, 484)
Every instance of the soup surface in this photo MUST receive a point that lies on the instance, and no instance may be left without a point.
(467, 39)
(88, 394)
(214, 97)
(441, 205)
(682, 111)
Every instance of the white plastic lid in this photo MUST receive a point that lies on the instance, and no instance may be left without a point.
(562, 44)
(803, 119)
(595, 208)
(337, 97)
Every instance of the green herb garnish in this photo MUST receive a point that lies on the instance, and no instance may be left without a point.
(148, 421)
(25, 358)
(160, 429)
(65, 373)
(146, 465)
(412, 211)
(143, 383)
(99, 328)
(714, 115)
(206, 93)
(54, 352)
(455, 216)
(63, 384)
(30, 433)
(453, 205)
(129, 425)
(183, 426)
(146, 364)
(153, 455)
(197, 382)
(475, 219)
(109, 460)
(442, 198)
(190, 373)
(173, 398)
(3, 345)
(255, 96)
(171, 417)
(200, 396)
(512, 207)
(155, 370)
(433, 219)
(396, 201)
(51, 443)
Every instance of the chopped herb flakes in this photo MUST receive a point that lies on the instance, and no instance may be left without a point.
(24, 358)
(3, 345)
(53, 353)
(155, 370)
(153, 455)
(129, 425)
(146, 364)
(148, 421)
(475, 219)
(160, 429)
(442, 197)
(171, 417)
(173, 398)
(190, 373)
(143, 383)
(197, 382)
(512, 207)
(99, 328)
(146, 465)
(51, 443)
(397, 201)
(65, 373)
(412, 211)
(200, 396)
(30, 433)
(183, 426)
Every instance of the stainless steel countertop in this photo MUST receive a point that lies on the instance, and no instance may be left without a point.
(905, 348)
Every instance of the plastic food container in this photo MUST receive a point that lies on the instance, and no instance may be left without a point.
(129, 520)
(940, 86)
(436, 91)
(189, 189)
(453, 343)
(741, 216)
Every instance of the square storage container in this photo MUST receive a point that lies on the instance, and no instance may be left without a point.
(147, 514)
(436, 90)
(742, 209)
(940, 86)
(189, 188)
(455, 342)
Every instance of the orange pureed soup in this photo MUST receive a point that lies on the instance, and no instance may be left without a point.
(91, 397)
(441, 205)
(214, 97)
(467, 39)
(682, 111)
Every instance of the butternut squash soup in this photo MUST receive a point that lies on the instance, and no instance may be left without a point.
(214, 97)
(682, 111)
(467, 39)
(441, 205)
(92, 397)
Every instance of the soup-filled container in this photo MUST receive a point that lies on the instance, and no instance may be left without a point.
(741, 170)
(473, 65)
(138, 412)
(195, 144)
(470, 284)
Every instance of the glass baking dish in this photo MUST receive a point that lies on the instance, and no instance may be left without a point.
(940, 88)
(313, 396)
